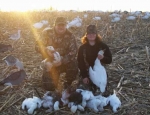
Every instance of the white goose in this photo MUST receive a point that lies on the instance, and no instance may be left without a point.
(48, 64)
(115, 103)
(98, 74)
(31, 104)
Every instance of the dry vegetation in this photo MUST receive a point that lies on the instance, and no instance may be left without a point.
(129, 72)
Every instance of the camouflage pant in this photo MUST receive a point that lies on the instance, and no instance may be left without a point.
(50, 79)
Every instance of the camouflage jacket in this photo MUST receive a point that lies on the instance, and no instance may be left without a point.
(64, 44)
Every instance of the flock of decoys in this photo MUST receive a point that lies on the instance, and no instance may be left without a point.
(17, 77)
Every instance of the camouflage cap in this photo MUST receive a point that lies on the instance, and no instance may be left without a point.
(91, 29)
(60, 20)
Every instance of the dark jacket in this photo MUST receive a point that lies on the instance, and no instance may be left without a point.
(64, 44)
(91, 55)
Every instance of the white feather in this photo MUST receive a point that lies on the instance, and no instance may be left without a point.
(86, 95)
(98, 74)
(31, 104)
(73, 108)
(115, 103)
(56, 106)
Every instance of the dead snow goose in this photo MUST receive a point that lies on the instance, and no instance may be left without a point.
(98, 74)
(115, 103)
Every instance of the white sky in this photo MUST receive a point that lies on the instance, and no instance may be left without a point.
(104, 5)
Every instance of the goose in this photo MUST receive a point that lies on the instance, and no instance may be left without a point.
(103, 101)
(47, 101)
(31, 104)
(97, 18)
(94, 104)
(14, 79)
(76, 22)
(15, 36)
(116, 19)
(145, 17)
(114, 101)
(40, 24)
(17, 77)
(98, 74)
(74, 107)
(57, 57)
(131, 18)
(4, 48)
(86, 95)
(57, 99)
(85, 15)
(48, 63)
(114, 15)
(13, 61)
(75, 99)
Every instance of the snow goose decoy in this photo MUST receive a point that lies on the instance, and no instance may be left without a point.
(116, 19)
(4, 47)
(40, 24)
(131, 18)
(12, 61)
(97, 18)
(98, 74)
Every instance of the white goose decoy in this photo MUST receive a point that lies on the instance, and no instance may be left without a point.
(76, 22)
(98, 74)
(131, 18)
(85, 15)
(145, 17)
(97, 18)
(116, 19)
(40, 24)
(15, 36)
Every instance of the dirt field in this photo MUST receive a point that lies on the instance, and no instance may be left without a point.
(129, 72)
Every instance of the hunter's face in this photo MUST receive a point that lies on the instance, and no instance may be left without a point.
(60, 28)
(91, 37)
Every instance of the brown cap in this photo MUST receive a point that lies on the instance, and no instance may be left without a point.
(91, 29)
(60, 20)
